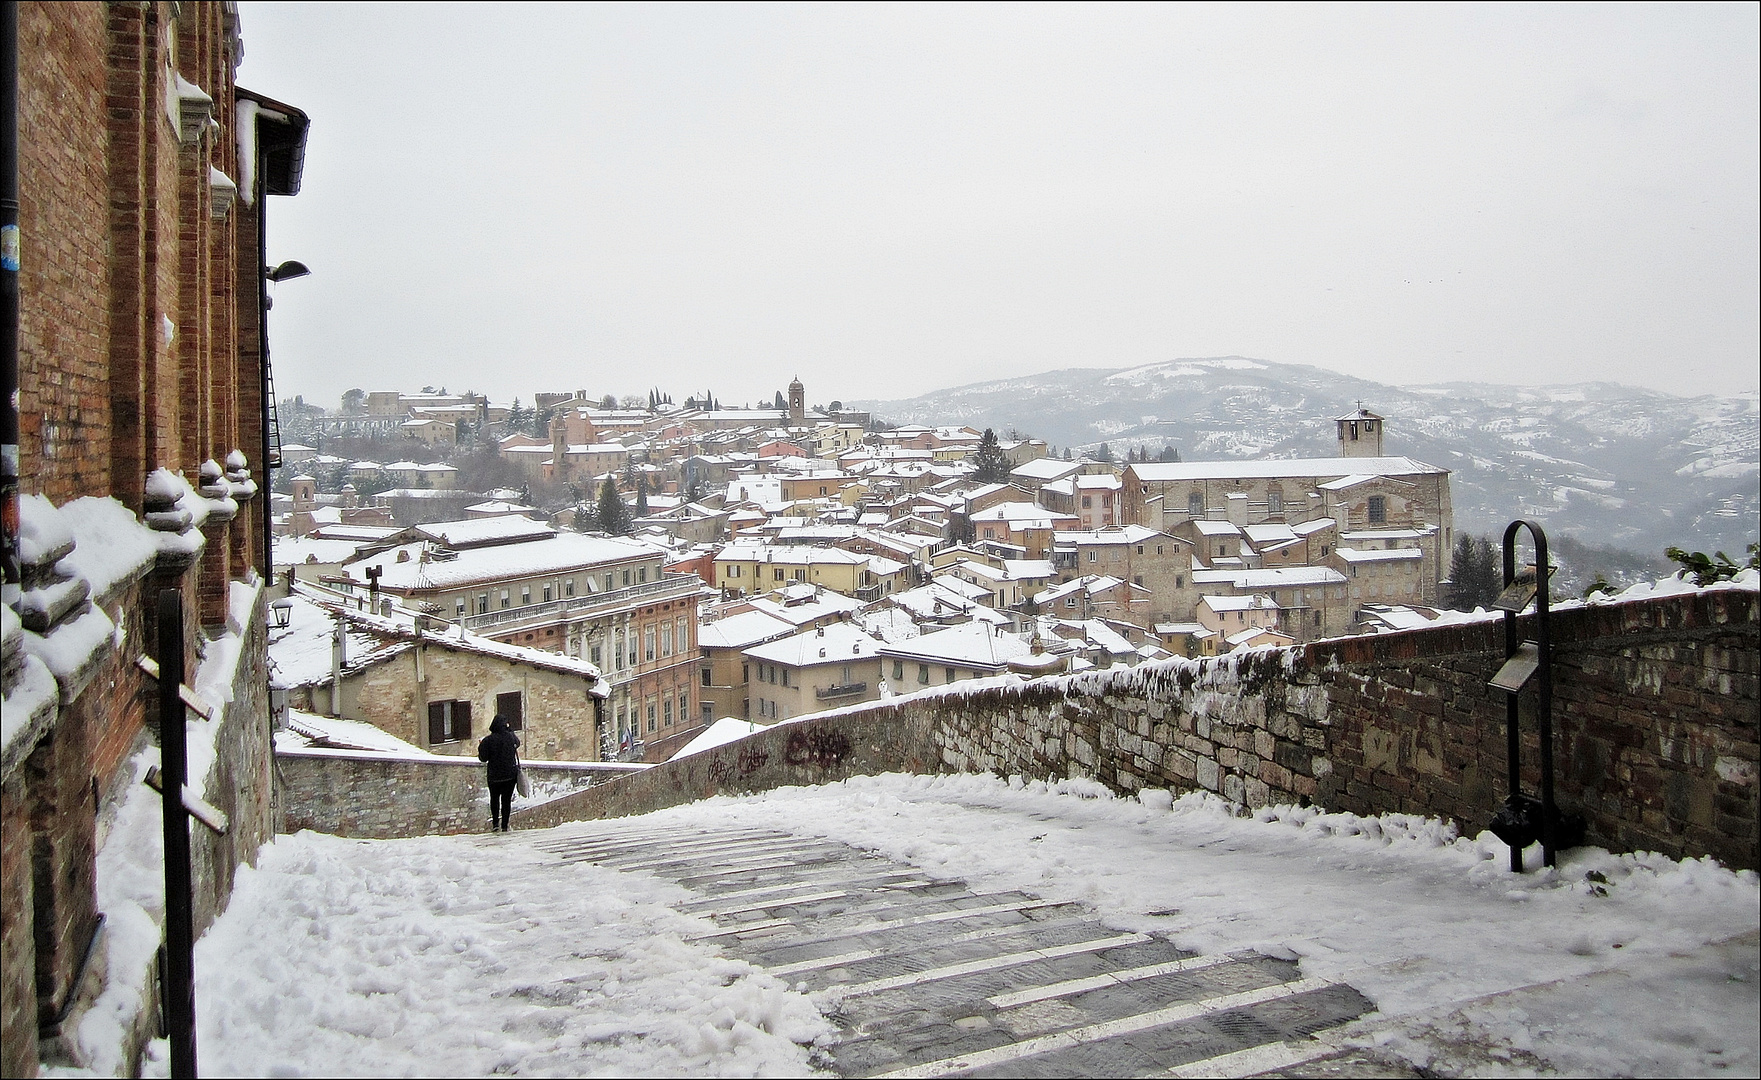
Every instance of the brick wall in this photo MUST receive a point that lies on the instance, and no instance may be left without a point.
(1655, 728)
(351, 793)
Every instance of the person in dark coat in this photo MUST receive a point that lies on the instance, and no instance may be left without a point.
(501, 749)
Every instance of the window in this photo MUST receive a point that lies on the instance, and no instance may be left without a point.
(626, 579)
(785, 676)
(651, 718)
(683, 634)
(642, 574)
(648, 643)
(512, 706)
(1180, 581)
(1140, 549)
(482, 603)
(608, 585)
(708, 713)
(1274, 502)
(1087, 502)
(770, 671)
(506, 598)
(777, 574)
(525, 595)
(666, 640)
(948, 674)
(569, 587)
(666, 712)
(1195, 505)
(1093, 555)
(1378, 509)
(706, 677)
(746, 673)
(899, 670)
(800, 575)
(548, 589)
(593, 654)
(449, 721)
(990, 534)
(458, 607)
(923, 674)
(846, 680)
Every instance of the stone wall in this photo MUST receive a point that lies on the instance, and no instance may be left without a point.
(1655, 720)
(379, 796)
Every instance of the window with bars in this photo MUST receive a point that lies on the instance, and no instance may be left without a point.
(449, 721)
(1378, 509)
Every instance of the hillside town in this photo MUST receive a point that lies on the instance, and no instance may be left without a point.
(596, 733)
(759, 565)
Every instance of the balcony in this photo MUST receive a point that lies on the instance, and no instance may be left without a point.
(670, 587)
(846, 690)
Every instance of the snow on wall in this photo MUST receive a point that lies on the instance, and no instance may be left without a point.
(1392, 723)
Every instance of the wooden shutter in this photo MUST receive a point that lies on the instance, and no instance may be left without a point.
(437, 721)
(512, 706)
(461, 719)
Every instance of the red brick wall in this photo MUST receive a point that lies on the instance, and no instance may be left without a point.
(63, 372)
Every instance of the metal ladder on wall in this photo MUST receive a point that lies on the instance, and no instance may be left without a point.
(1525, 819)
(272, 433)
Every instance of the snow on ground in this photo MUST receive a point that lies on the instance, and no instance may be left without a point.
(452, 955)
(455, 956)
(1419, 919)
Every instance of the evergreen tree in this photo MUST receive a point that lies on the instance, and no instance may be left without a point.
(1066, 453)
(1168, 453)
(519, 417)
(1105, 453)
(614, 516)
(990, 465)
(585, 519)
(1476, 573)
(525, 494)
(608, 402)
(642, 495)
(779, 404)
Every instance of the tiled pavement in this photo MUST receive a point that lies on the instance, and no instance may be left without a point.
(926, 977)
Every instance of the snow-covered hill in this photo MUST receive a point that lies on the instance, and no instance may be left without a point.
(1609, 464)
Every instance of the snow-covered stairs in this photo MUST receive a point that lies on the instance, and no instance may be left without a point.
(926, 977)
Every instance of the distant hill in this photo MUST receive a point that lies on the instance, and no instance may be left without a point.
(1608, 464)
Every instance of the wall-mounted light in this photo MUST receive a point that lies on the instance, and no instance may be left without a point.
(282, 612)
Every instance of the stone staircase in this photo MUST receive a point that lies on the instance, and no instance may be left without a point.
(926, 977)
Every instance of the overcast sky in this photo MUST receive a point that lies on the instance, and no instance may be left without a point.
(891, 200)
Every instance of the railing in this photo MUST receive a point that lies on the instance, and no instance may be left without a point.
(845, 690)
(585, 605)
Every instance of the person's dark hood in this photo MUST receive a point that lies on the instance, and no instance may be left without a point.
(499, 725)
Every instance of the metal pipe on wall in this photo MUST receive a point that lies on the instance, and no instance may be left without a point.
(9, 256)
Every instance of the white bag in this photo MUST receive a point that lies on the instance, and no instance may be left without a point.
(521, 784)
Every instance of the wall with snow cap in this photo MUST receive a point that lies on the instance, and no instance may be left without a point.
(380, 796)
(1655, 716)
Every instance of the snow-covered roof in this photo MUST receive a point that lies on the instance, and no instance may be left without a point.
(1045, 469)
(1269, 534)
(561, 553)
(724, 731)
(1277, 577)
(742, 630)
(800, 611)
(1370, 555)
(1256, 602)
(1111, 534)
(835, 643)
(335, 733)
(1162, 471)
(1216, 528)
(477, 532)
(972, 645)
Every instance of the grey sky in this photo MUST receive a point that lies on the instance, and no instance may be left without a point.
(889, 200)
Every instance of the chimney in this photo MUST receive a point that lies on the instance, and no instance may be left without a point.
(1237, 508)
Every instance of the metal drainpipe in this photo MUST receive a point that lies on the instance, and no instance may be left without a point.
(9, 250)
(263, 346)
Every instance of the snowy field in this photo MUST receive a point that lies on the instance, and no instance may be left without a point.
(473, 955)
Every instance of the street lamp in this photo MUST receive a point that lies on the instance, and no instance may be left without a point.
(282, 610)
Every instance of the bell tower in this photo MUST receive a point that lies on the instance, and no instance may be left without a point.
(1360, 433)
(797, 403)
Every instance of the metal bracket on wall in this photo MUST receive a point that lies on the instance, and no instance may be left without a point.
(1525, 819)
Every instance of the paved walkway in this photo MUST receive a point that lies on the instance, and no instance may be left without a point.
(927, 977)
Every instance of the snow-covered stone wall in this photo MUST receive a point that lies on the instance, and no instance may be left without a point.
(1655, 716)
(379, 796)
